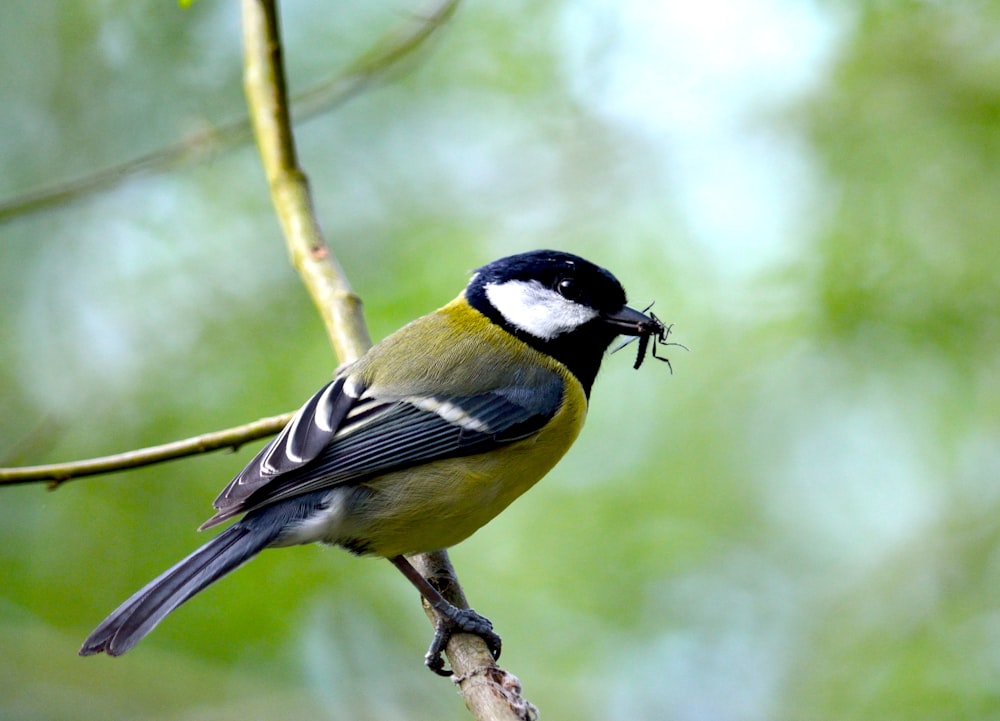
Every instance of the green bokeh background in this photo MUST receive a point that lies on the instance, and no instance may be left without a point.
(800, 523)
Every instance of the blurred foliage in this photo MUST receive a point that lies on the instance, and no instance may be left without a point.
(799, 523)
(911, 130)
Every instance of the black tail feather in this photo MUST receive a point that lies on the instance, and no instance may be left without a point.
(137, 616)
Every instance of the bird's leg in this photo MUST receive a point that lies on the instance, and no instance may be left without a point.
(451, 620)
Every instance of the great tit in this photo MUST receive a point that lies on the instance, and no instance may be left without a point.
(421, 441)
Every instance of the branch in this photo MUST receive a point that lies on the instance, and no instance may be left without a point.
(373, 65)
(490, 692)
(370, 67)
(58, 473)
(265, 88)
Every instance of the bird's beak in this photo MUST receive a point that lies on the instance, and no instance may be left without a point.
(629, 321)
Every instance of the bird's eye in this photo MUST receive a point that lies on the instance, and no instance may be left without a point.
(568, 289)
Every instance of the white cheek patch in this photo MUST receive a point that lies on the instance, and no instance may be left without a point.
(535, 309)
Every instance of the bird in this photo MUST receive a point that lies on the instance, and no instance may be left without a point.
(421, 441)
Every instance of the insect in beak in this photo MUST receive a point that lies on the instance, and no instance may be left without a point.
(653, 328)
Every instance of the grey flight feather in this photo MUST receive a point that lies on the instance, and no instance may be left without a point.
(310, 429)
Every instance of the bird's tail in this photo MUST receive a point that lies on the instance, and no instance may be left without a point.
(131, 621)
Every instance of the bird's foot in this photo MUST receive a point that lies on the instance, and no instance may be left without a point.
(454, 620)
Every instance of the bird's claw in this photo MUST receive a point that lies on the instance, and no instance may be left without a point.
(461, 620)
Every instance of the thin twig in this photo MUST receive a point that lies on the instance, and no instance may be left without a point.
(371, 67)
(58, 473)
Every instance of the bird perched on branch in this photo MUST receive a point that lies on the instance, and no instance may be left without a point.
(421, 441)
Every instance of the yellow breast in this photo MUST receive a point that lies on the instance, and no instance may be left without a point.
(439, 504)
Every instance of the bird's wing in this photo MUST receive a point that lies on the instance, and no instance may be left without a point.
(300, 441)
(344, 434)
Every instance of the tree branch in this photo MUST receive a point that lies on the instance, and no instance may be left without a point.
(265, 88)
(58, 473)
(490, 693)
(388, 52)
(373, 65)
